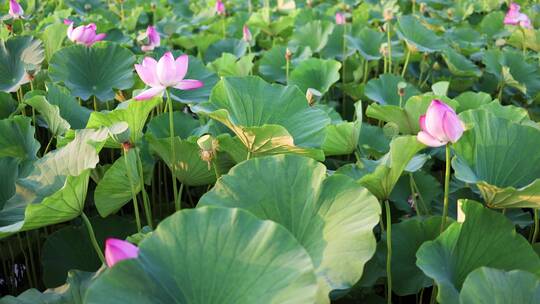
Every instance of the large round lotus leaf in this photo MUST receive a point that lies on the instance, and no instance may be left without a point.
(50, 114)
(17, 56)
(332, 217)
(486, 238)
(459, 65)
(229, 65)
(342, 136)
(70, 110)
(55, 189)
(196, 70)
(501, 157)
(211, 255)
(465, 39)
(367, 42)
(337, 46)
(512, 68)
(273, 65)
(488, 285)
(93, 71)
(17, 138)
(234, 46)
(471, 100)
(384, 89)
(70, 247)
(315, 73)
(414, 33)
(314, 35)
(268, 119)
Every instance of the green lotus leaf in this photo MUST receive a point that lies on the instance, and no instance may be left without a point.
(486, 238)
(50, 113)
(211, 255)
(76, 115)
(342, 136)
(115, 188)
(93, 71)
(70, 248)
(384, 89)
(501, 157)
(315, 73)
(489, 285)
(332, 217)
(414, 33)
(459, 65)
(85, 7)
(367, 42)
(314, 34)
(229, 65)
(7, 105)
(18, 56)
(134, 113)
(268, 119)
(272, 65)
(17, 138)
(198, 71)
(53, 37)
(465, 39)
(471, 100)
(8, 175)
(525, 38)
(230, 45)
(337, 46)
(492, 24)
(184, 126)
(511, 68)
(406, 118)
(54, 190)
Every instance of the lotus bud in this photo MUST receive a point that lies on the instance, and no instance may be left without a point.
(383, 49)
(15, 10)
(220, 8)
(288, 54)
(312, 96)
(388, 14)
(423, 7)
(246, 34)
(401, 88)
(436, 66)
(440, 125)
(450, 13)
(500, 42)
(208, 146)
(87, 6)
(309, 3)
(153, 6)
(340, 18)
(118, 250)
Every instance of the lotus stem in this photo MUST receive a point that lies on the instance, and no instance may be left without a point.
(173, 151)
(389, 47)
(389, 252)
(446, 188)
(178, 205)
(26, 264)
(248, 155)
(406, 63)
(146, 203)
(536, 228)
(223, 27)
(133, 194)
(48, 145)
(32, 264)
(343, 70)
(93, 237)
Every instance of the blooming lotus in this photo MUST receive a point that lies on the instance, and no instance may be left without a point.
(165, 73)
(220, 7)
(84, 34)
(117, 250)
(439, 125)
(153, 39)
(515, 17)
(246, 34)
(15, 9)
(340, 18)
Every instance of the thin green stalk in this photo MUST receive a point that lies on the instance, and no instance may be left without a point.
(248, 155)
(92, 236)
(146, 203)
(223, 27)
(344, 69)
(287, 67)
(32, 264)
(366, 71)
(133, 193)
(173, 151)
(389, 47)
(26, 264)
(446, 188)
(536, 227)
(389, 252)
(48, 145)
(406, 63)
(499, 96)
(417, 190)
(180, 193)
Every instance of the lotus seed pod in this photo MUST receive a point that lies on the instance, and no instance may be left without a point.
(423, 8)
(388, 14)
(383, 49)
(208, 146)
(500, 42)
(401, 88)
(288, 54)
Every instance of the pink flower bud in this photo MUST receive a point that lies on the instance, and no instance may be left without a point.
(15, 9)
(439, 125)
(340, 18)
(246, 34)
(220, 7)
(117, 250)
(515, 17)
(154, 40)
(84, 34)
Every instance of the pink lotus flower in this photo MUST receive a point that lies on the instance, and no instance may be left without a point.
(439, 125)
(220, 7)
(340, 18)
(117, 250)
(164, 74)
(84, 34)
(153, 39)
(514, 17)
(246, 34)
(15, 9)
